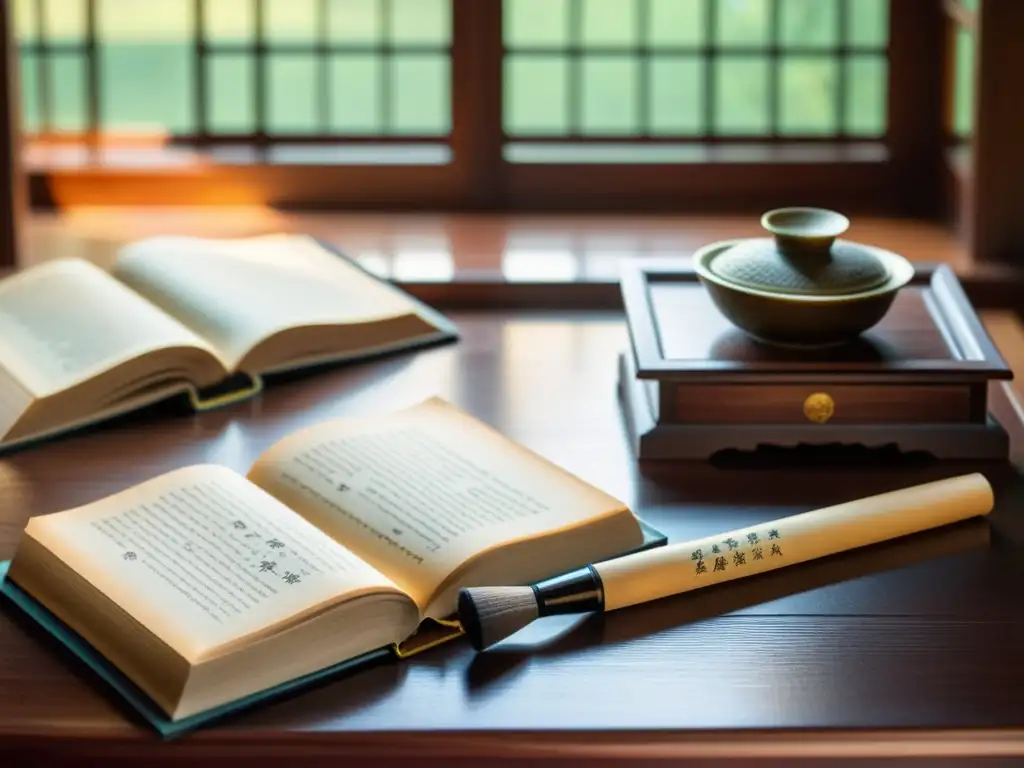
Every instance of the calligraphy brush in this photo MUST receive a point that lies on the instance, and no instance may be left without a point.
(488, 615)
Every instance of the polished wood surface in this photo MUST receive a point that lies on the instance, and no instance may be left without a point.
(908, 649)
(446, 246)
(931, 334)
(907, 332)
(485, 261)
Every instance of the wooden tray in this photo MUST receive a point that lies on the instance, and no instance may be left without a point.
(693, 385)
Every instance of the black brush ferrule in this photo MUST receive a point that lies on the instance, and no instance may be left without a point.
(469, 619)
(579, 591)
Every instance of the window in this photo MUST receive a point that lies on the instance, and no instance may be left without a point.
(299, 71)
(239, 72)
(653, 76)
(476, 103)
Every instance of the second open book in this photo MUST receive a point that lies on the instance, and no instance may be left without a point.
(204, 587)
(182, 315)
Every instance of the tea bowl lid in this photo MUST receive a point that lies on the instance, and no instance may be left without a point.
(803, 257)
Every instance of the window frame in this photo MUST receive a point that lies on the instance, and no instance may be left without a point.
(902, 177)
(984, 171)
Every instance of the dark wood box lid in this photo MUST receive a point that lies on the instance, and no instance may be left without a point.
(930, 334)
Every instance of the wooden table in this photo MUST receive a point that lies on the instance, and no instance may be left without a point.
(914, 649)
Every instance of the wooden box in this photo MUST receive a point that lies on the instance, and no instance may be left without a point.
(692, 385)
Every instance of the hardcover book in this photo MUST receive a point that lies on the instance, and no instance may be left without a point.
(201, 592)
(174, 316)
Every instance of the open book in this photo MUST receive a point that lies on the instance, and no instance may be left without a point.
(80, 344)
(203, 587)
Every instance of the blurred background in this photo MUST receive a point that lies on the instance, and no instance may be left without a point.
(449, 108)
(386, 66)
(232, 69)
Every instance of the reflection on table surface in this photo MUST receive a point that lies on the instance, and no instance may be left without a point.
(454, 247)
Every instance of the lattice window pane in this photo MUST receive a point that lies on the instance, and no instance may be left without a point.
(808, 95)
(229, 20)
(809, 23)
(67, 78)
(64, 20)
(355, 21)
(292, 94)
(868, 22)
(30, 117)
(610, 97)
(611, 23)
(420, 22)
(230, 104)
(536, 23)
(742, 95)
(26, 30)
(867, 95)
(288, 21)
(356, 98)
(963, 87)
(676, 23)
(26, 22)
(420, 94)
(595, 68)
(145, 65)
(536, 95)
(743, 22)
(677, 95)
(777, 68)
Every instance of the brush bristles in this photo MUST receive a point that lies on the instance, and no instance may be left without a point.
(490, 614)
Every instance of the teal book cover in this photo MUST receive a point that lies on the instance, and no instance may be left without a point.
(134, 696)
(167, 728)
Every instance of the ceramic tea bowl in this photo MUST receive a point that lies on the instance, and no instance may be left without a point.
(802, 287)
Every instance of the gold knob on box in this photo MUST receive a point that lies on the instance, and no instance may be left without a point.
(819, 407)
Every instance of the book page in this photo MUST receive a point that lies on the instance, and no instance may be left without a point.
(15, 399)
(419, 491)
(203, 558)
(236, 293)
(65, 321)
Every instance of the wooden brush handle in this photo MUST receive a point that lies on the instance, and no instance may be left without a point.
(675, 568)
